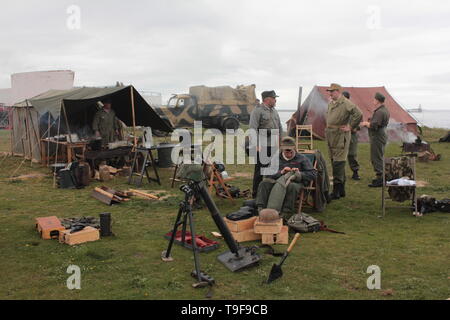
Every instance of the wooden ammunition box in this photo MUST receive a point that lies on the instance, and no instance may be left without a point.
(279, 238)
(268, 227)
(49, 227)
(246, 235)
(85, 235)
(240, 225)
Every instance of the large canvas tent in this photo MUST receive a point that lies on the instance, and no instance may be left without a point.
(61, 111)
(402, 126)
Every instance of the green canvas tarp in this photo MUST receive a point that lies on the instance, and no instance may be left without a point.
(80, 105)
(39, 116)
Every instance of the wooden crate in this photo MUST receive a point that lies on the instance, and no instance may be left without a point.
(268, 227)
(246, 235)
(49, 227)
(85, 235)
(241, 225)
(278, 238)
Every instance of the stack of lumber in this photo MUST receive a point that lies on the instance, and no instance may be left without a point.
(109, 196)
(142, 194)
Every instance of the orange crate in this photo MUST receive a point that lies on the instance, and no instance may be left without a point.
(49, 227)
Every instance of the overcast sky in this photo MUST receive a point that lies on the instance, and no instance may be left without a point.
(167, 46)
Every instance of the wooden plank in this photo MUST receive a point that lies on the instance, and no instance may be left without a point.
(148, 195)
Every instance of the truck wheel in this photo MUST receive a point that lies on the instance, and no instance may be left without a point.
(230, 123)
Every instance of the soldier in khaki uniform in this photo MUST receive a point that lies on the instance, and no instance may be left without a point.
(342, 117)
(266, 117)
(105, 124)
(378, 137)
(353, 149)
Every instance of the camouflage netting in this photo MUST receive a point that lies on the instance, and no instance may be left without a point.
(224, 95)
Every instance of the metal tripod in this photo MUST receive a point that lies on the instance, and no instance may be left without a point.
(184, 215)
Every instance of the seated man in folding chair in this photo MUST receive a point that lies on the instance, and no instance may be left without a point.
(280, 191)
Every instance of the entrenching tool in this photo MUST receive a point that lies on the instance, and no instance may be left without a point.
(276, 271)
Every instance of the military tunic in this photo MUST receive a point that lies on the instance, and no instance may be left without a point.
(280, 192)
(263, 117)
(340, 113)
(378, 137)
(106, 124)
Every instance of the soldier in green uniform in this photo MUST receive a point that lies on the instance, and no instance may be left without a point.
(266, 117)
(280, 190)
(342, 117)
(353, 148)
(378, 137)
(105, 124)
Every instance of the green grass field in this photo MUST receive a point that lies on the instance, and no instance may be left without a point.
(413, 253)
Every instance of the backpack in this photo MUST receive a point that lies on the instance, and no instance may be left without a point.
(304, 223)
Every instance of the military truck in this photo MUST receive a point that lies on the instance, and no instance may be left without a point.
(217, 107)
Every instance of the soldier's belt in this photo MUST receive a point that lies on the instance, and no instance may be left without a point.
(333, 127)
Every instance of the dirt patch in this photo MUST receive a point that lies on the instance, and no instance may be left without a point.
(421, 184)
(242, 175)
(30, 176)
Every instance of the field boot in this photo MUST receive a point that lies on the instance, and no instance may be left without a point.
(342, 190)
(355, 175)
(336, 192)
(376, 183)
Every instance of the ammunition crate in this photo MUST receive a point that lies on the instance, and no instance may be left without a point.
(49, 227)
(85, 235)
(268, 227)
(240, 225)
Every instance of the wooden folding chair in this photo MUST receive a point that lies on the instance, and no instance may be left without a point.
(215, 180)
(388, 174)
(305, 197)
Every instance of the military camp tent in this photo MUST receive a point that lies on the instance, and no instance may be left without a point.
(402, 126)
(62, 110)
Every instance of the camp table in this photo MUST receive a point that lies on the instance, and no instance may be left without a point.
(93, 155)
(69, 148)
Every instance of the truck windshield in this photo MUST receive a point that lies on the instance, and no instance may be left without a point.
(176, 102)
(172, 102)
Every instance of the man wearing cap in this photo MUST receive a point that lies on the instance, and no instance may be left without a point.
(342, 117)
(378, 137)
(280, 190)
(353, 148)
(265, 117)
(105, 123)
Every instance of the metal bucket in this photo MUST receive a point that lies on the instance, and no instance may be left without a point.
(165, 155)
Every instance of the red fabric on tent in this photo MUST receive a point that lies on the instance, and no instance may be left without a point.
(316, 103)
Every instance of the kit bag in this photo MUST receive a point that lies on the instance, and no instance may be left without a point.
(303, 223)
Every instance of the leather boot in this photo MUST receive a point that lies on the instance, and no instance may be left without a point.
(336, 192)
(342, 190)
(377, 183)
(355, 175)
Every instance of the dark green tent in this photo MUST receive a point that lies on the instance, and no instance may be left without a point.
(33, 118)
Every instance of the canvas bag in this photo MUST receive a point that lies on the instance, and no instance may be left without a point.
(304, 223)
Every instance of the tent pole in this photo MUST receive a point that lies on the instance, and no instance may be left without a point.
(34, 131)
(134, 117)
(11, 135)
(67, 122)
(56, 154)
(48, 142)
(27, 121)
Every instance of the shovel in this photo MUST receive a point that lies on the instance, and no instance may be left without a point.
(276, 271)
